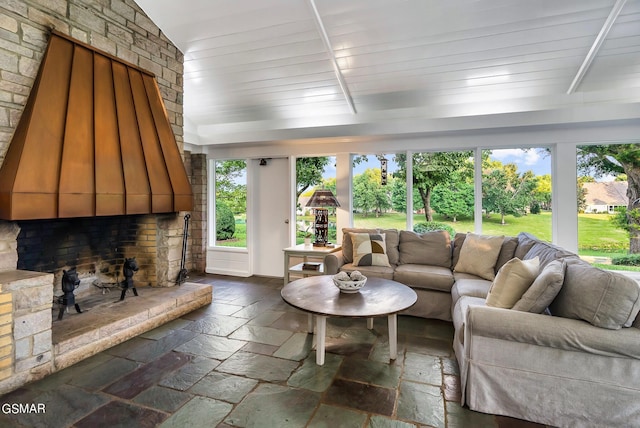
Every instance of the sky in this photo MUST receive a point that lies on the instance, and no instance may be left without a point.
(536, 160)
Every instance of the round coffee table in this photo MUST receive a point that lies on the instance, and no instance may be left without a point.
(320, 297)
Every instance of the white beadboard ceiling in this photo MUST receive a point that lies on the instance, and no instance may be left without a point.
(261, 70)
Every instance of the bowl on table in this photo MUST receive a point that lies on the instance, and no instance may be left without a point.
(349, 283)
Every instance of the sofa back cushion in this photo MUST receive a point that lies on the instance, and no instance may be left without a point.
(458, 240)
(529, 247)
(603, 298)
(430, 248)
(479, 254)
(391, 239)
(548, 252)
(507, 251)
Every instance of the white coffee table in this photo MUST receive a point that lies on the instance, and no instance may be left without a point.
(319, 297)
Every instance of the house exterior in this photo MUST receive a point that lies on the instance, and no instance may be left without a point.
(605, 197)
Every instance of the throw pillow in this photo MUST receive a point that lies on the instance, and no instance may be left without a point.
(512, 281)
(479, 254)
(369, 249)
(391, 238)
(544, 289)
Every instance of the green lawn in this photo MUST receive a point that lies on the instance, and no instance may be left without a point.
(239, 239)
(597, 235)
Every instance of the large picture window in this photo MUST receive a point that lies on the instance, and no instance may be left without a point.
(230, 183)
(379, 193)
(516, 192)
(443, 191)
(609, 204)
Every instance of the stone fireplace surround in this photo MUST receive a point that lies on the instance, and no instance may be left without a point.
(33, 343)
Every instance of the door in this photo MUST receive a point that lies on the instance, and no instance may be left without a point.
(270, 215)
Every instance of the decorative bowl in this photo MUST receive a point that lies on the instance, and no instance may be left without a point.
(350, 286)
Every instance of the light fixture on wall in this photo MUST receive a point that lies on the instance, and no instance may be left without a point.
(263, 162)
(320, 201)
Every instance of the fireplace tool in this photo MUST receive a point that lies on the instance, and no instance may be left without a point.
(129, 267)
(70, 282)
(182, 275)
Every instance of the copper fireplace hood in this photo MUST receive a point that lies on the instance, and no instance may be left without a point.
(94, 140)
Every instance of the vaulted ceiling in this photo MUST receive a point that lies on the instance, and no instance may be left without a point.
(261, 70)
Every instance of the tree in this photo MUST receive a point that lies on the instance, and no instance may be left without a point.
(309, 173)
(431, 169)
(453, 200)
(504, 191)
(225, 222)
(542, 192)
(369, 195)
(618, 159)
(231, 185)
(399, 195)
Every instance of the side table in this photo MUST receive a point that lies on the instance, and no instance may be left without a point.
(306, 252)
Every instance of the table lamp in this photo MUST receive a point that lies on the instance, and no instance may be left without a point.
(320, 200)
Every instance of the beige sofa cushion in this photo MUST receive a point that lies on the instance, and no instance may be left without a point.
(425, 277)
(391, 238)
(525, 242)
(507, 251)
(369, 249)
(512, 281)
(479, 254)
(603, 298)
(377, 271)
(458, 240)
(544, 289)
(431, 248)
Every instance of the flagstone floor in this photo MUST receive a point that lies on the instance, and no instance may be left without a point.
(247, 361)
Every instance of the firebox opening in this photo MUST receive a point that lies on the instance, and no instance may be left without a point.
(96, 246)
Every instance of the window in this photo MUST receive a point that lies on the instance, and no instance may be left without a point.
(443, 191)
(608, 202)
(313, 173)
(379, 192)
(230, 183)
(516, 192)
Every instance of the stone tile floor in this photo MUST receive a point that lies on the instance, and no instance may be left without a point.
(247, 361)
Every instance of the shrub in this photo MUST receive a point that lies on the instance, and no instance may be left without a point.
(535, 208)
(225, 222)
(628, 260)
(433, 225)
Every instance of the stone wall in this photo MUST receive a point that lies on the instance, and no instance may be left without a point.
(118, 27)
(197, 168)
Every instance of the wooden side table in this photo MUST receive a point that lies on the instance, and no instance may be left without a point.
(306, 252)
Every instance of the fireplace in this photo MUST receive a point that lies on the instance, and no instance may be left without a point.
(93, 174)
(96, 246)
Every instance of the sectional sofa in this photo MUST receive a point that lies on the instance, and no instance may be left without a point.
(540, 334)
